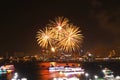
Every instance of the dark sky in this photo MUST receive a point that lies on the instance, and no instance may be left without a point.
(99, 21)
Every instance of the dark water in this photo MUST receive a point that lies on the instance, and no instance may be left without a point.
(39, 71)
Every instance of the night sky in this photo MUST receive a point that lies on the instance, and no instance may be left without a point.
(20, 20)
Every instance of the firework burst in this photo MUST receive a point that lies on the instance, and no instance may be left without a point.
(60, 34)
(44, 37)
(72, 38)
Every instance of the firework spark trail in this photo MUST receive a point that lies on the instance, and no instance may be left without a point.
(59, 22)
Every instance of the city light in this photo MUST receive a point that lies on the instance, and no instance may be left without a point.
(95, 76)
(118, 77)
(23, 78)
(86, 76)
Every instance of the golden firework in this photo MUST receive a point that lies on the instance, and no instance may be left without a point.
(60, 34)
(44, 37)
(57, 26)
(72, 38)
(59, 22)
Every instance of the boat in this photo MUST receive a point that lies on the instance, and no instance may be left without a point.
(7, 69)
(63, 69)
(3, 71)
(108, 74)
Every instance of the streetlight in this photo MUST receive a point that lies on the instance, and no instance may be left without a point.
(95, 77)
(23, 78)
(117, 77)
(86, 75)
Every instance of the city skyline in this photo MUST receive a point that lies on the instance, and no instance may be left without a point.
(98, 20)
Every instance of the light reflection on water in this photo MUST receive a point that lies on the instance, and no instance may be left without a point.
(41, 72)
(46, 75)
(9, 76)
(6, 76)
